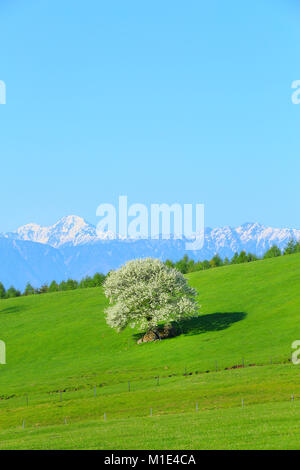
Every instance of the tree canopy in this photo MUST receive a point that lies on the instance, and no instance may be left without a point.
(145, 292)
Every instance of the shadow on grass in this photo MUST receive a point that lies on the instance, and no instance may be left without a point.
(10, 310)
(213, 322)
(203, 323)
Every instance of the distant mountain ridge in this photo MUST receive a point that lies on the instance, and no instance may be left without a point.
(71, 229)
(72, 248)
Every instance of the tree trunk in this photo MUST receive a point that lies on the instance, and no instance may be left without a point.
(156, 332)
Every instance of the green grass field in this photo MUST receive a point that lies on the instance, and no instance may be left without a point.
(60, 343)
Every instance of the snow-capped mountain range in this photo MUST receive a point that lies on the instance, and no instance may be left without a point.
(69, 230)
(72, 248)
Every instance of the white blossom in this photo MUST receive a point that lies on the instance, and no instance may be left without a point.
(145, 292)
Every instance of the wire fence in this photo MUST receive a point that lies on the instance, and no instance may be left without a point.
(134, 385)
(67, 420)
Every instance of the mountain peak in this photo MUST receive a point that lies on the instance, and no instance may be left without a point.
(71, 229)
(89, 251)
(248, 225)
(72, 220)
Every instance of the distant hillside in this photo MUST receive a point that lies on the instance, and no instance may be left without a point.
(249, 311)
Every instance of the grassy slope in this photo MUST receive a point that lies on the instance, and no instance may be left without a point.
(60, 342)
(273, 426)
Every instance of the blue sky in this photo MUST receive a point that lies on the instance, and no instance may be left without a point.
(169, 101)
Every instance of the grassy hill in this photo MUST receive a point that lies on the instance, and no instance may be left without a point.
(250, 315)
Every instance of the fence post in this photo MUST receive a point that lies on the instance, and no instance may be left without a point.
(23, 423)
(95, 390)
(128, 386)
(197, 407)
(158, 380)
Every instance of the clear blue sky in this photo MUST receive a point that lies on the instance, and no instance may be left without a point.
(163, 101)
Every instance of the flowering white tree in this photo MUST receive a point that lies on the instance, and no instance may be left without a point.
(145, 292)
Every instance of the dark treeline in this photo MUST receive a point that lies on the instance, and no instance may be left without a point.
(185, 265)
(70, 284)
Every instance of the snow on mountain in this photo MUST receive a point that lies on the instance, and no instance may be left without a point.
(72, 248)
(258, 238)
(71, 229)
